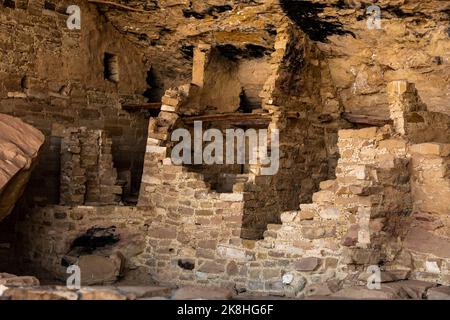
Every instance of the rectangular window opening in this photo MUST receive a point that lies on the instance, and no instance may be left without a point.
(111, 65)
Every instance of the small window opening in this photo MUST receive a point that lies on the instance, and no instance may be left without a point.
(9, 4)
(49, 6)
(155, 90)
(111, 64)
(245, 104)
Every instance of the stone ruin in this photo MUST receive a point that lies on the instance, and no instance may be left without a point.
(355, 188)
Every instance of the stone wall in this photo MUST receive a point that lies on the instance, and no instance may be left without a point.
(305, 159)
(427, 250)
(361, 218)
(197, 237)
(45, 236)
(87, 172)
(377, 211)
(307, 148)
(341, 201)
(53, 77)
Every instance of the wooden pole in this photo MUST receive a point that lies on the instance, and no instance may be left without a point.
(142, 106)
(234, 118)
(365, 119)
(118, 5)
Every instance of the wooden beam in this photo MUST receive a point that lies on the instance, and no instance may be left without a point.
(233, 118)
(118, 5)
(366, 119)
(142, 106)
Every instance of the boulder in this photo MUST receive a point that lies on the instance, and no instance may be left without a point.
(19, 147)
(100, 270)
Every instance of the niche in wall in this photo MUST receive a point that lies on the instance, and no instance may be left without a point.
(9, 4)
(230, 78)
(111, 67)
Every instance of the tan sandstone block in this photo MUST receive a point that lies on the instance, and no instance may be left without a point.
(436, 149)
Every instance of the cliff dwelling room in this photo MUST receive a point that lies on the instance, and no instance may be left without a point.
(233, 150)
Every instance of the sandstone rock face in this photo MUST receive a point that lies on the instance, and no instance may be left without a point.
(441, 293)
(411, 43)
(19, 146)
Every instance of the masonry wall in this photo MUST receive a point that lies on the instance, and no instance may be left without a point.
(88, 175)
(426, 247)
(377, 211)
(196, 238)
(363, 217)
(307, 147)
(45, 236)
(308, 152)
(53, 77)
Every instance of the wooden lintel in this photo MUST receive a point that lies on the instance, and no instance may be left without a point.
(366, 119)
(142, 106)
(118, 6)
(233, 118)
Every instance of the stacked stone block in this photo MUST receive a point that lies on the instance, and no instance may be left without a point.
(73, 175)
(87, 172)
(48, 80)
(304, 153)
(366, 216)
(427, 245)
(403, 99)
(411, 117)
(431, 177)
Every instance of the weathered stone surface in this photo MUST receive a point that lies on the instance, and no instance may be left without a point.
(140, 292)
(224, 225)
(101, 294)
(19, 147)
(39, 294)
(387, 276)
(307, 264)
(421, 240)
(413, 288)
(99, 269)
(202, 293)
(88, 175)
(439, 293)
(318, 290)
(25, 281)
(362, 293)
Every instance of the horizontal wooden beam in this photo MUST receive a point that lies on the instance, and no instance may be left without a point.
(118, 5)
(366, 119)
(142, 106)
(235, 118)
